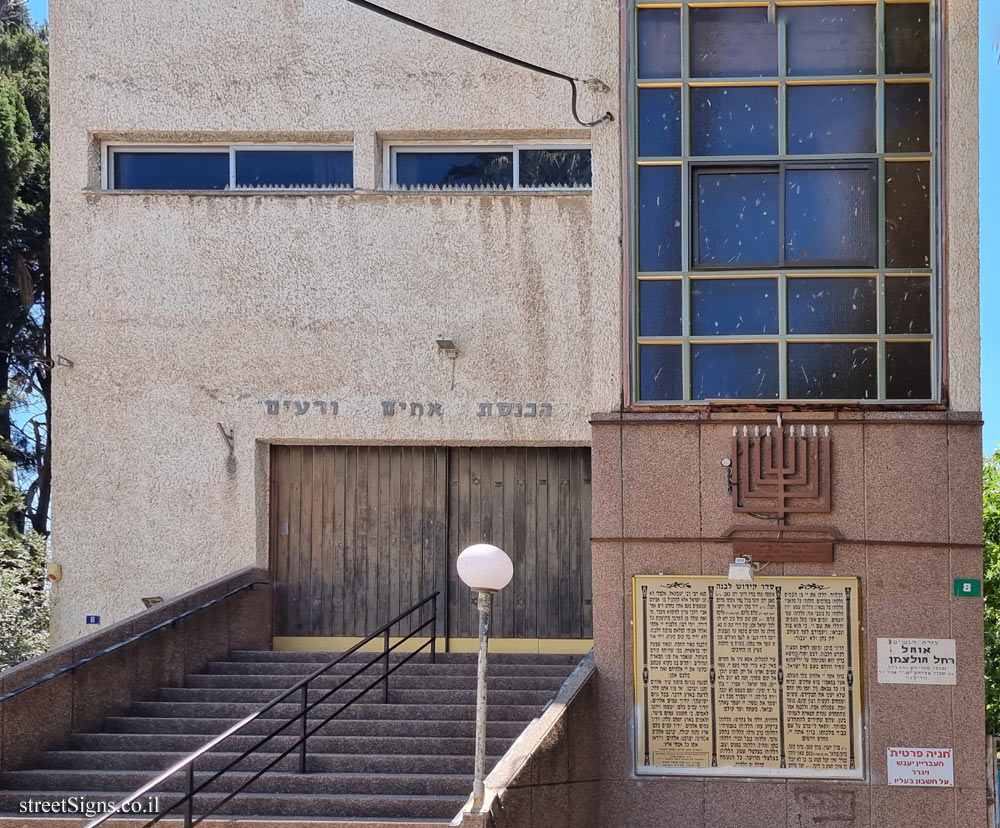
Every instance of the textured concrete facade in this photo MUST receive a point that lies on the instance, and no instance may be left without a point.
(184, 311)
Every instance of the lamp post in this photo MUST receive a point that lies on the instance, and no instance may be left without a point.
(484, 569)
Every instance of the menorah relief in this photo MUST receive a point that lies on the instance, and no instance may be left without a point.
(780, 471)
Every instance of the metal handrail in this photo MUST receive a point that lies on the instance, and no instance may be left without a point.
(302, 686)
(130, 640)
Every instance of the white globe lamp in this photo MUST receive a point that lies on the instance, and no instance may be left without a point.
(485, 569)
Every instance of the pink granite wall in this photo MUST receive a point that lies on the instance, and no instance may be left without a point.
(907, 498)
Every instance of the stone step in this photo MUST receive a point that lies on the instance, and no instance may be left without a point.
(397, 695)
(360, 710)
(152, 762)
(94, 782)
(421, 658)
(347, 726)
(342, 806)
(304, 668)
(430, 745)
(400, 680)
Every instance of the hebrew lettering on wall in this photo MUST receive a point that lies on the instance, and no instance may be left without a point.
(758, 678)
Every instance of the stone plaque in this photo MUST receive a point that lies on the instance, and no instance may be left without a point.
(786, 551)
(916, 660)
(758, 678)
(924, 767)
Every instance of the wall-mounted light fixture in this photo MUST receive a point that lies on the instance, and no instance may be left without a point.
(742, 569)
(446, 345)
(54, 572)
(152, 602)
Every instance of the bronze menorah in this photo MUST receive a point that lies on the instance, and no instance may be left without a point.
(779, 467)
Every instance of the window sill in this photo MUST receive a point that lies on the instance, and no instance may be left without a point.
(342, 193)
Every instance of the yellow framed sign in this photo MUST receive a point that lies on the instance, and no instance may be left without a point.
(748, 678)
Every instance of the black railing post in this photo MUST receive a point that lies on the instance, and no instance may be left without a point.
(189, 803)
(434, 624)
(302, 747)
(385, 684)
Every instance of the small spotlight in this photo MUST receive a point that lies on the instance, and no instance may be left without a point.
(152, 602)
(741, 569)
(447, 345)
(725, 462)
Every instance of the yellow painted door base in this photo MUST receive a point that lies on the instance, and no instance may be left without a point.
(337, 644)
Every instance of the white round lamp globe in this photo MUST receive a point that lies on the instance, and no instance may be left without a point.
(485, 568)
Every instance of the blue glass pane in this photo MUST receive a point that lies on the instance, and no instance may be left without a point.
(832, 370)
(907, 214)
(660, 308)
(659, 218)
(907, 117)
(830, 217)
(831, 119)
(734, 120)
(737, 219)
(727, 307)
(659, 122)
(455, 169)
(723, 371)
(907, 38)
(832, 306)
(659, 43)
(294, 168)
(830, 40)
(660, 374)
(908, 304)
(733, 43)
(555, 168)
(908, 370)
(171, 170)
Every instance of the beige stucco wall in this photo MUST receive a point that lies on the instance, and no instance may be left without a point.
(184, 311)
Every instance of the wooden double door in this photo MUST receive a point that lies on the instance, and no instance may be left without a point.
(360, 533)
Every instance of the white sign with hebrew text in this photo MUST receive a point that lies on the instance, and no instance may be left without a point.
(916, 660)
(924, 767)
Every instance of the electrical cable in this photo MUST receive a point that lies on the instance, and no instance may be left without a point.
(485, 50)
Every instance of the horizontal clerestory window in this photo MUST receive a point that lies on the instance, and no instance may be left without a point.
(784, 203)
(230, 168)
(550, 167)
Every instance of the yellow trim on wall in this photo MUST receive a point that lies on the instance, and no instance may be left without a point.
(337, 644)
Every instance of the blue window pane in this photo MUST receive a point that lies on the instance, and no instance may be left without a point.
(907, 117)
(734, 120)
(660, 372)
(659, 218)
(831, 119)
(908, 370)
(830, 40)
(737, 219)
(555, 168)
(723, 371)
(171, 170)
(733, 43)
(294, 168)
(659, 43)
(660, 308)
(659, 122)
(907, 214)
(455, 169)
(832, 371)
(832, 306)
(830, 217)
(907, 38)
(727, 307)
(908, 304)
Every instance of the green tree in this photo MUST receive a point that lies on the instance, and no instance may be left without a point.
(24, 334)
(991, 587)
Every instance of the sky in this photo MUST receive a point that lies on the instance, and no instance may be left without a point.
(989, 209)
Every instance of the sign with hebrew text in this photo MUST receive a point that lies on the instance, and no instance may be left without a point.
(924, 767)
(916, 660)
(748, 678)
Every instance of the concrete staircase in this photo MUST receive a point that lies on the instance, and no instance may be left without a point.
(410, 759)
